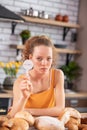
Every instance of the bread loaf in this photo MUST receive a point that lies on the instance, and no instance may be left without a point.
(73, 112)
(73, 123)
(67, 113)
(16, 123)
(82, 126)
(26, 116)
(48, 123)
(64, 117)
(4, 128)
(3, 119)
(72, 127)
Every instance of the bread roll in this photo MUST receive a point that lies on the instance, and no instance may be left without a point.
(9, 123)
(73, 123)
(18, 123)
(4, 128)
(17, 128)
(3, 119)
(48, 123)
(84, 128)
(73, 112)
(67, 113)
(72, 126)
(26, 116)
(81, 126)
(64, 117)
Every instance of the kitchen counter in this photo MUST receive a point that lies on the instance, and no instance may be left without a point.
(6, 94)
(9, 94)
(77, 100)
(76, 95)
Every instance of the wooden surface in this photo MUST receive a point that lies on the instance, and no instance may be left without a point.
(49, 22)
(8, 94)
(76, 95)
(58, 50)
(64, 51)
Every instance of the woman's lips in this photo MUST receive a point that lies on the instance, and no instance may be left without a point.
(44, 69)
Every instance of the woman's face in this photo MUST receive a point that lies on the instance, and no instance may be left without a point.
(42, 58)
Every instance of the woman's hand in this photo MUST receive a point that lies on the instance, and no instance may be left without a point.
(22, 90)
(26, 87)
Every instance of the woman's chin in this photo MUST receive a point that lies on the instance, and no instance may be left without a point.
(44, 70)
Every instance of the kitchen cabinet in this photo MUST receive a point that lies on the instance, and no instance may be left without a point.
(4, 102)
(77, 101)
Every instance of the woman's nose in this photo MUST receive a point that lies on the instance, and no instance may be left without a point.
(44, 62)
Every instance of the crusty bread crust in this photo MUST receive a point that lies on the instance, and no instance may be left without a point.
(26, 116)
(16, 123)
(67, 113)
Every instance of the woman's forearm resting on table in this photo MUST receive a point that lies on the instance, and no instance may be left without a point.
(55, 111)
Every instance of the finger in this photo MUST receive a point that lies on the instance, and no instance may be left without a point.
(30, 89)
(27, 76)
(29, 83)
(24, 81)
(23, 88)
(26, 87)
(26, 93)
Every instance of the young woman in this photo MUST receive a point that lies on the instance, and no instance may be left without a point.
(42, 92)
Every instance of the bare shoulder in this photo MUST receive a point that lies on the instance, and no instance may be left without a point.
(59, 72)
(59, 76)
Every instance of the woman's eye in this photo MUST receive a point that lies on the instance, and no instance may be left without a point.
(39, 59)
(48, 59)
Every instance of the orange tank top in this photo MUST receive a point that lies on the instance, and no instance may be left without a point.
(43, 99)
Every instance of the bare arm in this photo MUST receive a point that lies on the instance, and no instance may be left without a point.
(20, 95)
(59, 96)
